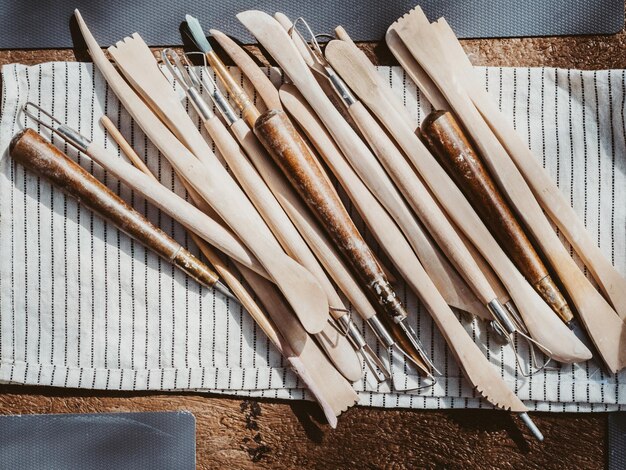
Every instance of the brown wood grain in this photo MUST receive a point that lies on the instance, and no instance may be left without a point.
(238, 433)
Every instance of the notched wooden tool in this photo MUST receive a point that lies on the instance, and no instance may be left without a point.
(605, 328)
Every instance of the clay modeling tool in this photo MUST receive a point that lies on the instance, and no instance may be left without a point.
(209, 178)
(446, 141)
(540, 321)
(295, 159)
(477, 370)
(602, 323)
(551, 199)
(39, 156)
(335, 344)
(272, 101)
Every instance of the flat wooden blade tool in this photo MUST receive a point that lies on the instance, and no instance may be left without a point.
(478, 371)
(544, 327)
(551, 199)
(605, 328)
(286, 200)
(415, 193)
(295, 159)
(455, 291)
(446, 141)
(274, 303)
(335, 344)
(36, 154)
(203, 171)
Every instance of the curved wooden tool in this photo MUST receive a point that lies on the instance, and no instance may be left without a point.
(333, 393)
(336, 345)
(411, 187)
(543, 325)
(445, 277)
(606, 329)
(212, 181)
(552, 200)
(478, 371)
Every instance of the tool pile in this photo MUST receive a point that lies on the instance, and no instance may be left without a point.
(457, 204)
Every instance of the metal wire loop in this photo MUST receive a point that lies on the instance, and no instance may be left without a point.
(38, 120)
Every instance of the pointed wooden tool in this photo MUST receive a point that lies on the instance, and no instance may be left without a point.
(559, 342)
(552, 200)
(606, 329)
(478, 371)
(208, 177)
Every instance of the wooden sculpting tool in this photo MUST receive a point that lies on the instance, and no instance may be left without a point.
(282, 141)
(41, 157)
(273, 302)
(604, 326)
(541, 322)
(408, 184)
(334, 394)
(552, 200)
(276, 181)
(335, 344)
(214, 184)
(297, 212)
(477, 370)
(447, 142)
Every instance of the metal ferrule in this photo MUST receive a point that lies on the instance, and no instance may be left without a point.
(341, 87)
(224, 107)
(388, 300)
(200, 104)
(73, 137)
(502, 316)
(380, 331)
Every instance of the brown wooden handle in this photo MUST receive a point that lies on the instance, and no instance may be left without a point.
(304, 172)
(450, 146)
(40, 156)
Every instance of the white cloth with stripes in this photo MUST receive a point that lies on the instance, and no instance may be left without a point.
(82, 305)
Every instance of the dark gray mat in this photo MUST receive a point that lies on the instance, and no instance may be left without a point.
(44, 24)
(617, 441)
(150, 441)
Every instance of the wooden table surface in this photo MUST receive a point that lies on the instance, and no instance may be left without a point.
(237, 433)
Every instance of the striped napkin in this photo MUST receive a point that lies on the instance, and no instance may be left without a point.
(82, 305)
